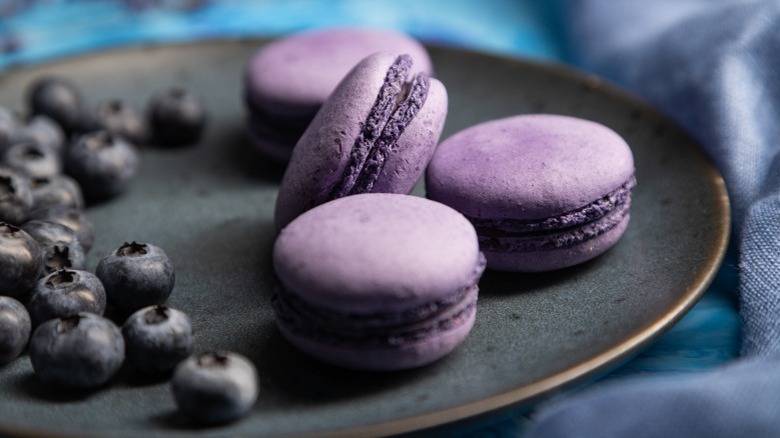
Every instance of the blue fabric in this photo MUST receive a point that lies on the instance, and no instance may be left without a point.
(713, 66)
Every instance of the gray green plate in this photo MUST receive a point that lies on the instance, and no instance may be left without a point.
(210, 207)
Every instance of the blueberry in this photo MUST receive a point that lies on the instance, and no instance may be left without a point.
(16, 199)
(213, 388)
(20, 261)
(136, 275)
(73, 218)
(59, 243)
(157, 338)
(81, 351)
(177, 117)
(56, 191)
(9, 124)
(33, 159)
(65, 293)
(44, 131)
(102, 163)
(57, 98)
(120, 119)
(14, 329)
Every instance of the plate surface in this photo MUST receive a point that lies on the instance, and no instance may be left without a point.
(211, 208)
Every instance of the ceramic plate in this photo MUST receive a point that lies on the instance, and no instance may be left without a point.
(210, 207)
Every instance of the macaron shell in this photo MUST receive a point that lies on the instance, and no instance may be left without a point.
(295, 75)
(321, 155)
(548, 165)
(541, 261)
(373, 253)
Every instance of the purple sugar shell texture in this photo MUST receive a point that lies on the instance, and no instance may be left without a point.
(293, 76)
(288, 80)
(377, 281)
(322, 157)
(555, 178)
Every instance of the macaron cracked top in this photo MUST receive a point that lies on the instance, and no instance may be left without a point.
(375, 134)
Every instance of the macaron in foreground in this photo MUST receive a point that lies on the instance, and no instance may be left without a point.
(375, 134)
(543, 191)
(377, 281)
(287, 80)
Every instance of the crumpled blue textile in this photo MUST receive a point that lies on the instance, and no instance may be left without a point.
(713, 66)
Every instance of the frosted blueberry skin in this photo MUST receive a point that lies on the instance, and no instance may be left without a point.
(177, 117)
(216, 387)
(136, 275)
(157, 338)
(20, 261)
(15, 328)
(9, 124)
(66, 293)
(60, 246)
(57, 98)
(32, 159)
(42, 130)
(56, 190)
(102, 163)
(16, 199)
(73, 218)
(82, 351)
(121, 119)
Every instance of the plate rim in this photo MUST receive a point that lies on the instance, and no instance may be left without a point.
(536, 391)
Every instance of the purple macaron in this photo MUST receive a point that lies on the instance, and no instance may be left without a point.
(375, 134)
(543, 191)
(377, 281)
(287, 80)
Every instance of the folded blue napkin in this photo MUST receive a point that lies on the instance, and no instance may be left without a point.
(713, 66)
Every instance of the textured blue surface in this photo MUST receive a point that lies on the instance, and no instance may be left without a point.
(35, 31)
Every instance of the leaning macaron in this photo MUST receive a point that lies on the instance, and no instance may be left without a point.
(375, 134)
(543, 191)
(377, 281)
(287, 80)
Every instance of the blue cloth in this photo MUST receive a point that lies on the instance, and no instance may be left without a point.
(713, 66)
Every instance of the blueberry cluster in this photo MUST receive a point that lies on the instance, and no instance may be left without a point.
(52, 164)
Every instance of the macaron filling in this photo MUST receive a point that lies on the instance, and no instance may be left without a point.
(396, 105)
(556, 232)
(377, 330)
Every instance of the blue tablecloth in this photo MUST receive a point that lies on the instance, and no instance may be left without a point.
(34, 31)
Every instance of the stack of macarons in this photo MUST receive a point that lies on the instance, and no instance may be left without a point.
(373, 278)
(287, 81)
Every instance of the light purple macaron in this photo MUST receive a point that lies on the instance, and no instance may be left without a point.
(375, 134)
(377, 281)
(543, 191)
(287, 80)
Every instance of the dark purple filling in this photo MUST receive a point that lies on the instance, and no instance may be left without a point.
(287, 124)
(299, 320)
(558, 232)
(383, 329)
(395, 107)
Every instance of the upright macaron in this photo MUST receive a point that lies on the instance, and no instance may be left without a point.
(376, 133)
(377, 281)
(287, 80)
(543, 191)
